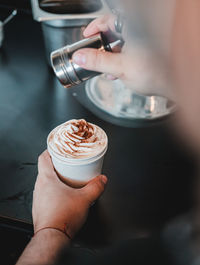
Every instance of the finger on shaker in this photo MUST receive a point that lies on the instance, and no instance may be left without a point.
(71, 74)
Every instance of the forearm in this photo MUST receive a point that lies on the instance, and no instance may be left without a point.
(44, 248)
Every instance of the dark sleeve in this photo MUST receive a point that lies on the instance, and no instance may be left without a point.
(77, 256)
(132, 252)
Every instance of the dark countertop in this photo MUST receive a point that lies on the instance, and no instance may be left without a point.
(150, 175)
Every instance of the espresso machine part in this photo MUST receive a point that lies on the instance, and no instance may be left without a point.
(69, 73)
(63, 21)
(117, 100)
(3, 23)
(68, 6)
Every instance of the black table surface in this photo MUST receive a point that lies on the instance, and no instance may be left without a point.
(149, 173)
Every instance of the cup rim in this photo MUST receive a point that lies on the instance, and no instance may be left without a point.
(76, 162)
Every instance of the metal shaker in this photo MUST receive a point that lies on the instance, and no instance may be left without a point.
(71, 74)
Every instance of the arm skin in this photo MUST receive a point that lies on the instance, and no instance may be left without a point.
(44, 248)
(186, 70)
(58, 206)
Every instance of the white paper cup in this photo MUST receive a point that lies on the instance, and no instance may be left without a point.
(77, 172)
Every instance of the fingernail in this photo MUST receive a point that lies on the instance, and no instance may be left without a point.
(79, 58)
(104, 179)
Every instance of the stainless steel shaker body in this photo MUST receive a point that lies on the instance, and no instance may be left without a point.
(69, 73)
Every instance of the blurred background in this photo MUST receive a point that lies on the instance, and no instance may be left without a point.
(151, 162)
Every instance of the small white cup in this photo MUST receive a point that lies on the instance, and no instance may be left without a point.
(77, 172)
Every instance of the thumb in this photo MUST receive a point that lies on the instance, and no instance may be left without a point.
(45, 165)
(95, 188)
(99, 61)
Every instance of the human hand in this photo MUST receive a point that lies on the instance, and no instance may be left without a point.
(93, 59)
(59, 206)
(136, 65)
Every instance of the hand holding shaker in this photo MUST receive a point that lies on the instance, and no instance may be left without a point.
(71, 74)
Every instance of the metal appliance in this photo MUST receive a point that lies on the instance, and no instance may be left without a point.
(63, 21)
(3, 23)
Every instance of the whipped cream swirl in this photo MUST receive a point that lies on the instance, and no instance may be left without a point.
(78, 139)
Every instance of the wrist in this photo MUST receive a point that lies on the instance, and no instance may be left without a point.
(59, 227)
(45, 248)
(52, 233)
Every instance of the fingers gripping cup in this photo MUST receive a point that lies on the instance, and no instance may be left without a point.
(77, 149)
